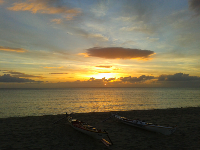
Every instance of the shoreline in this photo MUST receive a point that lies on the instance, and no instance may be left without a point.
(114, 111)
(39, 132)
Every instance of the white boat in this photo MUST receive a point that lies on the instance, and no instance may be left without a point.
(89, 130)
(147, 126)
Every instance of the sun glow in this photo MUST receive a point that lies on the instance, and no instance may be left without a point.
(104, 75)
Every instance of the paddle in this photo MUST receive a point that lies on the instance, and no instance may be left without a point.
(109, 137)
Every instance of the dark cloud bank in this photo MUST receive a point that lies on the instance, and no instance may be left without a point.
(178, 77)
(19, 74)
(8, 78)
(176, 80)
(118, 53)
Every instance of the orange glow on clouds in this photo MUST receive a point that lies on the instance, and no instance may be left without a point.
(41, 7)
(38, 6)
(1, 2)
(52, 67)
(19, 50)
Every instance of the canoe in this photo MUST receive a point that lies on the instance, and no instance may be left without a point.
(147, 126)
(89, 130)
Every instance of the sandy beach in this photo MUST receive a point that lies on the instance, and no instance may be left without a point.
(40, 132)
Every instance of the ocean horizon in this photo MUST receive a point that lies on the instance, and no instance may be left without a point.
(37, 102)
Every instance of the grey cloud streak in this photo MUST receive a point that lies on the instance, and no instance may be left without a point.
(19, 74)
(8, 78)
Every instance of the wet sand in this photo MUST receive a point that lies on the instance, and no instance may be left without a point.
(39, 132)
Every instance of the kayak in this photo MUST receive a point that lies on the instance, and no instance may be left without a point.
(147, 126)
(89, 130)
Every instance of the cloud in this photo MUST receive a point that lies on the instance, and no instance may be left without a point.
(92, 35)
(195, 6)
(136, 79)
(57, 21)
(111, 79)
(130, 42)
(152, 39)
(1, 2)
(124, 80)
(139, 10)
(148, 81)
(58, 73)
(100, 9)
(104, 72)
(178, 77)
(70, 16)
(129, 18)
(140, 28)
(142, 81)
(8, 78)
(111, 82)
(44, 7)
(100, 36)
(9, 49)
(103, 66)
(118, 53)
(151, 80)
(52, 67)
(19, 74)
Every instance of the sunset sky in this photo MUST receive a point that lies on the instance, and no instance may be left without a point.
(99, 43)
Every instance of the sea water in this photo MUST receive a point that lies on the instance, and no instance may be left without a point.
(37, 102)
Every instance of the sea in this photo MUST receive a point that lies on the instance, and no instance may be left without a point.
(38, 102)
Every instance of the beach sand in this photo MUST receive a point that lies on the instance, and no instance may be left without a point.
(39, 132)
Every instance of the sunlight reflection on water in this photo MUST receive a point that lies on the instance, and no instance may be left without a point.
(37, 102)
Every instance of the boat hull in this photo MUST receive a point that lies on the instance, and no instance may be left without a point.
(147, 126)
(93, 133)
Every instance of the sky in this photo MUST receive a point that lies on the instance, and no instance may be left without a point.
(101, 43)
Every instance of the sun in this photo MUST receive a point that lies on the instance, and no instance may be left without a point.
(104, 75)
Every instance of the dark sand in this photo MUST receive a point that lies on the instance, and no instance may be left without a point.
(40, 132)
